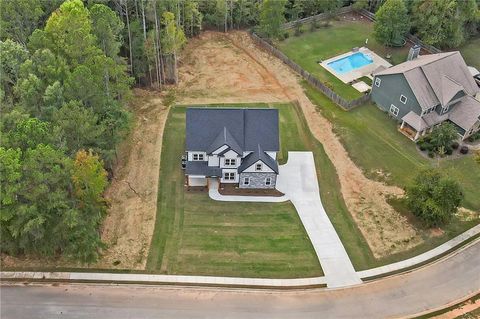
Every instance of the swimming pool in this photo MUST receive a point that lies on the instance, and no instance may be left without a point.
(351, 62)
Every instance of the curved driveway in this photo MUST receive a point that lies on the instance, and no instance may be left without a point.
(427, 288)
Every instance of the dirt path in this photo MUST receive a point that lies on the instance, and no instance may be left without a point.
(220, 68)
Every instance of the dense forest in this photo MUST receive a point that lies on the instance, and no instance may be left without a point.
(67, 68)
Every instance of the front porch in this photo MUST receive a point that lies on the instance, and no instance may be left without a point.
(413, 126)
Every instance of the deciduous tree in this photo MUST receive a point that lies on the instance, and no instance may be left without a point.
(433, 197)
(392, 23)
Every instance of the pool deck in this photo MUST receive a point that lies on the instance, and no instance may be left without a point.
(360, 72)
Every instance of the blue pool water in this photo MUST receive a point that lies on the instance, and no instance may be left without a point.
(351, 62)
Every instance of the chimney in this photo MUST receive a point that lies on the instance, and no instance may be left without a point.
(414, 52)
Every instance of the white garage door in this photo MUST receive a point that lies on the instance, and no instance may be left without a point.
(197, 181)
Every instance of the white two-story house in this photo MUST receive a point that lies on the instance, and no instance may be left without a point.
(237, 146)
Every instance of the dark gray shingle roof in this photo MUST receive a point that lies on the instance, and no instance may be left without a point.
(202, 168)
(225, 138)
(255, 156)
(247, 127)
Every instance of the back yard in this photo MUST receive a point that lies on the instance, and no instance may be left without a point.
(340, 37)
(471, 52)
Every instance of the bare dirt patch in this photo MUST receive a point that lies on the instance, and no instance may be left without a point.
(128, 228)
(219, 68)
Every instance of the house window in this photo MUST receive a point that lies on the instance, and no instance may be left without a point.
(268, 181)
(246, 181)
(403, 99)
(229, 176)
(378, 81)
(258, 167)
(445, 109)
(230, 162)
(394, 110)
(198, 157)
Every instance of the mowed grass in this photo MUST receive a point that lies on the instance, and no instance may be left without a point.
(375, 145)
(198, 236)
(471, 52)
(327, 42)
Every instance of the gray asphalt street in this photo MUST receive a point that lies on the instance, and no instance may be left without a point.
(399, 296)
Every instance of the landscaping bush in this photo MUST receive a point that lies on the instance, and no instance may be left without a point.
(464, 149)
(431, 154)
(286, 35)
(455, 145)
(448, 150)
(474, 137)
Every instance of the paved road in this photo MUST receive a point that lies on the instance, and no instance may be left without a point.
(298, 180)
(430, 287)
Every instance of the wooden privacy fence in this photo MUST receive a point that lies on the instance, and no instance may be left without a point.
(337, 99)
(317, 17)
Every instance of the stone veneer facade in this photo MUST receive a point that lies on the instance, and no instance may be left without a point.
(257, 180)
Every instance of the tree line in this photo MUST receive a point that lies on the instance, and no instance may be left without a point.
(442, 23)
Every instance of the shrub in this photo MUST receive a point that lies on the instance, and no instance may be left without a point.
(464, 149)
(474, 137)
(286, 35)
(422, 146)
(448, 150)
(434, 198)
(443, 136)
(431, 154)
(455, 145)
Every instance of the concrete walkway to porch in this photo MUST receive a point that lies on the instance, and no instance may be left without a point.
(215, 195)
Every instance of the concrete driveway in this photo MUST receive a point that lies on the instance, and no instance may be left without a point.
(298, 180)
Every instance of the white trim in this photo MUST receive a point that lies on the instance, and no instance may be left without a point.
(378, 82)
(268, 181)
(394, 110)
(258, 167)
(445, 108)
(404, 102)
(230, 162)
(229, 176)
(198, 157)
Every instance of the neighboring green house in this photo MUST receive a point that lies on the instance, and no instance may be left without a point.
(427, 91)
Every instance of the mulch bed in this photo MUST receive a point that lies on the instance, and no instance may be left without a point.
(232, 189)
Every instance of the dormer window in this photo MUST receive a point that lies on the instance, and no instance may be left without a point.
(445, 109)
(403, 99)
(198, 157)
(258, 167)
(230, 162)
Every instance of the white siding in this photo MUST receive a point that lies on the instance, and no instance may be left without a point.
(190, 155)
(272, 155)
(265, 168)
(213, 160)
(230, 155)
(222, 180)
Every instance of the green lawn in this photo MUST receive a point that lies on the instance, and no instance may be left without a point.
(196, 235)
(373, 143)
(307, 49)
(471, 52)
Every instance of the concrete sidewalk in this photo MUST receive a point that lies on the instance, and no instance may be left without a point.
(298, 180)
(215, 195)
